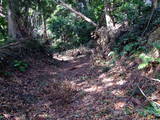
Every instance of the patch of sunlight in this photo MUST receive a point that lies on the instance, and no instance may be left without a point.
(2, 40)
(121, 82)
(53, 73)
(7, 116)
(44, 115)
(75, 67)
(47, 105)
(94, 88)
(22, 117)
(118, 93)
(108, 82)
(64, 58)
(119, 105)
(82, 83)
(102, 76)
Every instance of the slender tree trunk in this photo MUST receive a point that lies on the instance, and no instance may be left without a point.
(45, 27)
(109, 19)
(13, 31)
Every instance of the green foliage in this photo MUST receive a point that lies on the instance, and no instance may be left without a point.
(128, 10)
(138, 15)
(152, 109)
(2, 117)
(95, 9)
(147, 60)
(132, 41)
(157, 75)
(67, 29)
(3, 30)
(156, 45)
(128, 110)
(20, 65)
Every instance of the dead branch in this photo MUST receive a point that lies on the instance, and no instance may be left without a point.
(21, 41)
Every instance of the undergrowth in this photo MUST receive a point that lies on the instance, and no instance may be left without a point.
(133, 41)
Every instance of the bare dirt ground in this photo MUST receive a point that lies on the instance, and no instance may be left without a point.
(74, 89)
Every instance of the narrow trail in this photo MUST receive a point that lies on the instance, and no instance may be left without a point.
(98, 96)
(74, 90)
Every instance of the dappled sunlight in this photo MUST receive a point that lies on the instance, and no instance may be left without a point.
(76, 67)
(79, 59)
(121, 82)
(42, 116)
(118, 93)
(107, 80)
(7, 115)
(77, 87)
(94, 88)
(62, 57)
(119, 105)
(109, 84)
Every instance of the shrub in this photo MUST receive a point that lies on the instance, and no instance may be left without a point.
(20, 65)
(67, 28)
(147, 60)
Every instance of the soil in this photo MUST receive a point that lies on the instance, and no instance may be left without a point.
(70, 89)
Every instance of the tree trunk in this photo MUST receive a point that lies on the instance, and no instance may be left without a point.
(13, 30)
(45, 27)
(108, 17)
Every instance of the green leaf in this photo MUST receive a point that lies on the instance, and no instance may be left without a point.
(154, 109)
(22, 69)
(143, 65)
(111, 53)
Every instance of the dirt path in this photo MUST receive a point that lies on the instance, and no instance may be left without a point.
(74, 90)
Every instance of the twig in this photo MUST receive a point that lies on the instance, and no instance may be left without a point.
(158, 80)
(143, 93)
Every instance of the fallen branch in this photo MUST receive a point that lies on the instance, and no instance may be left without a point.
(157, 80)
(22, 40)
(9, 45)
(143, 94)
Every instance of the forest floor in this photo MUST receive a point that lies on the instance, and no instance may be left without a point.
(71, 89)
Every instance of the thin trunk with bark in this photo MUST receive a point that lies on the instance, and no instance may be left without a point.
(13, 30)
(45, 27)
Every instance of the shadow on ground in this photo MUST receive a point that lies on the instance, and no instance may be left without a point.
(74, 90)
